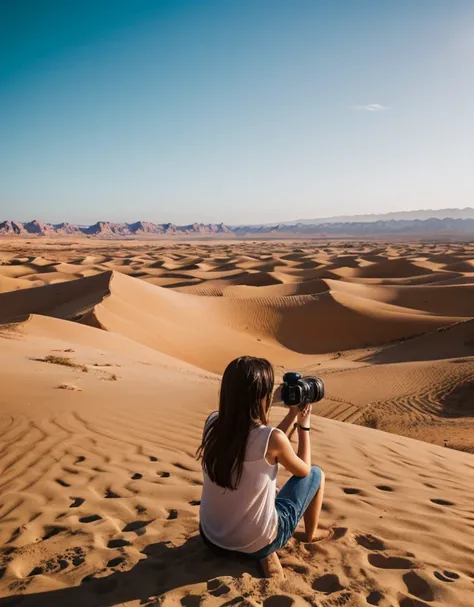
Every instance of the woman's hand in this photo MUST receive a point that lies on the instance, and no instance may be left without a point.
(304, 415)
(277, 395)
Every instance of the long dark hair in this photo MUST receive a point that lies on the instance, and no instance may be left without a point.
(245, 399)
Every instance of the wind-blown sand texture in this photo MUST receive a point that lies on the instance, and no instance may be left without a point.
(110, 361)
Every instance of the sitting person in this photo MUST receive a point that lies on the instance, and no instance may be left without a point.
(240, 511)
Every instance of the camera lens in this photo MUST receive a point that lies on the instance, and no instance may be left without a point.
(297, 391)
(316, 391)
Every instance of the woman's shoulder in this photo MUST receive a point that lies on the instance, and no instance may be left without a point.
(277, 438)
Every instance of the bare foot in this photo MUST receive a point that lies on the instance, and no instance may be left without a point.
(318, 536)
(271, 566)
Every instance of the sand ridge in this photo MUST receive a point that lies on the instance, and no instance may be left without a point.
(110, 360)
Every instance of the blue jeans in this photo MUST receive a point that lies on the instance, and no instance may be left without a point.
(291, 502)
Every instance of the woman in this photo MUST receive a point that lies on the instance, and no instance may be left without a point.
(240, 453)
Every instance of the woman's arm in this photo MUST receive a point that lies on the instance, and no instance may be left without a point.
(288, 421)
(281, 451)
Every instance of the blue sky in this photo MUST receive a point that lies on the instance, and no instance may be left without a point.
(242, 111)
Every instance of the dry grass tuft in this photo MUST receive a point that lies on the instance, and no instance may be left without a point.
(369, 419)
(69, 387)
(53, 359)
(58, 360)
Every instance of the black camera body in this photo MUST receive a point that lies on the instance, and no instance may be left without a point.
(297, 391)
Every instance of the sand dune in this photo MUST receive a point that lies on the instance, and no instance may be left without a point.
(453, 300)
(110, 360)
(14, 284)
(208, 331)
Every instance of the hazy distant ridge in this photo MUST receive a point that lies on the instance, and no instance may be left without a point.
(361, 228)
(379, 227)
(466, 213)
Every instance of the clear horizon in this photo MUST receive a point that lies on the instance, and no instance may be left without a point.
(242, 113)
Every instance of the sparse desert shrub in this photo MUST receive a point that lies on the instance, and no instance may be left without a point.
(69, 387)
(58, 360)
(369, 419)
(53, 359)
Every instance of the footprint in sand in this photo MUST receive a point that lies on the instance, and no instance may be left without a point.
(18, 586)
(195, 503)
(118, 543)
(78, 501)
(90, 519)
(446, 576)
(172, 514)
(217, 587)
(16, 533)
(351, 491)
(136, 526)
(374, 597)
(339, 532)
(389, 562)
(278, 600)
(78, 560)
(384, 488)
(370, 542)
(182, 467)
(192, 600)
(328, 584)
(62, 483)
(418, 586)
(153, 458)
(136, 476)
(51, 530)
(116, 561)
(70, 470)
(441, 502)
(111, 494)
(79, 459)
(54, 565)
(164, 474)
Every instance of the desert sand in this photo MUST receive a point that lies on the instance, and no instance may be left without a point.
(110, 361)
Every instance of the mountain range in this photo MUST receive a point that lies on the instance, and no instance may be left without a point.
(466, 213)
(457, 222)
(107, 229)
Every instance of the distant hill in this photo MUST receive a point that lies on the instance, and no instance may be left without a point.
(391, 227)
(433, 226)
(467, 213)
(107, 229)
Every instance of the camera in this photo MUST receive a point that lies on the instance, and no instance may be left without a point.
(299, 391)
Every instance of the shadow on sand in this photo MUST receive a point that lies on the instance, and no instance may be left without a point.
(165, 568)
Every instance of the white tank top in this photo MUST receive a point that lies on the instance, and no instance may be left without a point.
(244, 519)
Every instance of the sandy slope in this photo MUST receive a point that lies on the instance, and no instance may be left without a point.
(99, 485)
(209, 331)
